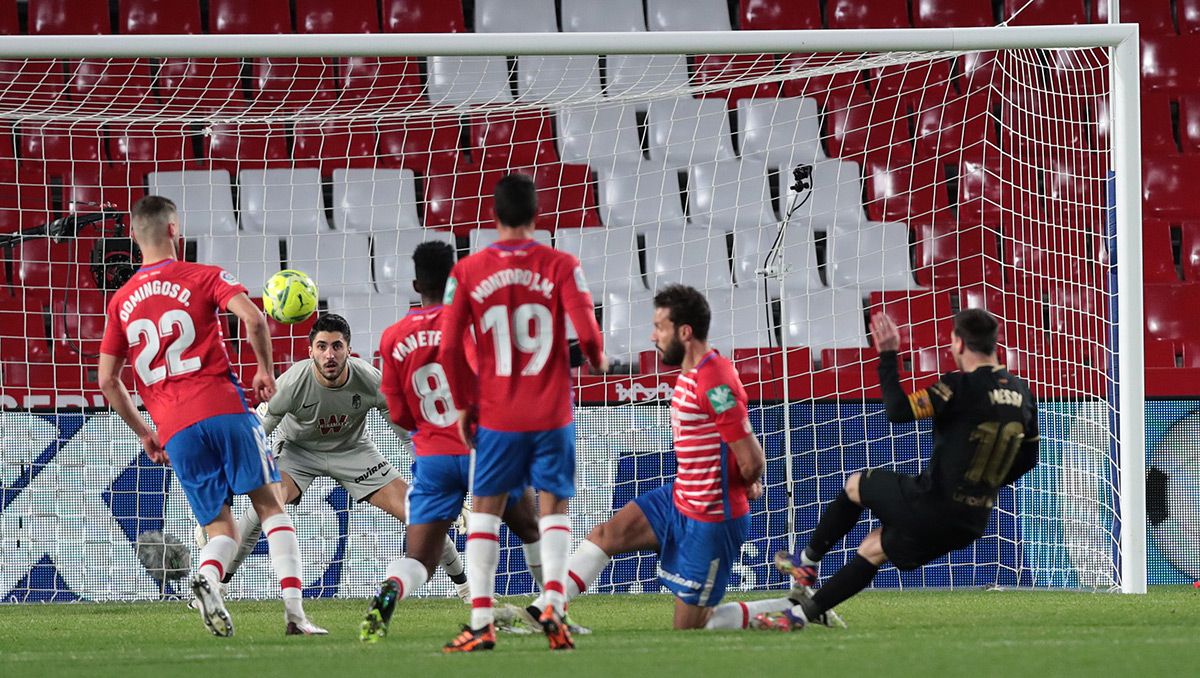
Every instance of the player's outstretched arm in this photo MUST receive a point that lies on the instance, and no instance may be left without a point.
(260, 341)
(122, 403)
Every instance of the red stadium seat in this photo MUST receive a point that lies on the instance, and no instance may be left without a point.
(56, 148)
(1161, 353)
(334, 145)
(292, 82)
(119, 83)
(147, 147)
(1158, 263)
(993, 189)
(716, 69)
(371, 81)
(914, 80)
(239, 16)
(200, 83)
(1190, 349)
(924, 318)
(234, 147)
(503, 140)
(1152, 16)
(758, 15)
(1189, 122)
(1158, 134)
(566, 197)
(1163, 317)
(1043, 12)
(979, 72)
(159, 17)
(952, 13)
(423, 16)
(69, 17)
(1168, 63)
(337, 16)
(121, 185)
(874, 14)
(906, 192)
(454, 199)
(1189, 16)
(77, 319)
(1167, 185)
(859, 126)
(1189, 255)
(948, 256)
(842, 85)
(10, 23)
(38, 81)
(948, 125)
(420, 144)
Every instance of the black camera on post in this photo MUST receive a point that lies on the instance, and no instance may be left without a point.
(803, 178)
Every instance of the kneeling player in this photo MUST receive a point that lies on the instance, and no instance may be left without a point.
(419, 399)
(319, 415)
(985, 436)
(697, 523)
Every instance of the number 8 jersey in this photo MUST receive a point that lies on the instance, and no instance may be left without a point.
(164, 320)
(516, 296)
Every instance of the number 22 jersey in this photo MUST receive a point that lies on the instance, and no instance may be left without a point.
(164, 320)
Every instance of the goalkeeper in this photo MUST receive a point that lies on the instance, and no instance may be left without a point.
(985, 436)
(319, 414)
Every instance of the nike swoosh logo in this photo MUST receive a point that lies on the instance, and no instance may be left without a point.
(305, 407)
(385, 473)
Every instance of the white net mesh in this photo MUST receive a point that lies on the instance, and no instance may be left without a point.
(934, 182)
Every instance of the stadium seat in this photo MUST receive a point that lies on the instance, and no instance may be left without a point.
(836, 196)
(913, 192)
(85, 188)
(1167, 62)
(687, 15)
(740, 320)
(455, 198)
(603, 137)
(566, 196)
(839, 86)
(369, 316)
(515, 16)
(55, 148)
(251, 257)
(710, 70)
(337, 16)
(1167, 183)
(238, 17)
(116, 85)
(428, 145)
(481, 238)
(555, 79)
(692, 256)
(334, 145)
(685, 131)
(1189, 122)
(281, 81)
(609, 258)
(644, 198)
(422, 16)
(912, 81)
(340, 263)
(374, 200)
(949, 256)
(455, 80)
(1158, 131)
(10, 23)
(185, 84)
(1189, 251)
(628, 321)
(613, 16)
(873, 257)
(979, 72)
(827, 318)
(78, 318)
(235, 147)
(874, 14)
(858, 126)
(1153, 17)
(1189, 16)
(774, 15)
(393, 258)
(924, 318)
(1161, 353)
(204, 199)
(282, 201)
(948, 124)
(158, 17)
(992, 189)
(38, 82)
(371, 81)
(730, 194)
(952, 13)
(780, 130)
(1083, 72)
(39, 269)
(150, 147)
(1045, 12)
(504, 140)
(68, 17)
(751, 247)
(631, 75)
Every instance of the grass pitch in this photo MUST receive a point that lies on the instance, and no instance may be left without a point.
(919, 633)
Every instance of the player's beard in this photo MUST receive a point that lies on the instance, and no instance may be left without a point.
(672, 355)
(325, 368)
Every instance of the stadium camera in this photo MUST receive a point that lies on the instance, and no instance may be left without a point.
(803, 176)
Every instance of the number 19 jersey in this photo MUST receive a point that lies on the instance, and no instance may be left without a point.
(164, 320)
(516, 295)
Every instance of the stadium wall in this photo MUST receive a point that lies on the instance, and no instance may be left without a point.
(76, 491)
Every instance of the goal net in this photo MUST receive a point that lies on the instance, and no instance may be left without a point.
(801, 191)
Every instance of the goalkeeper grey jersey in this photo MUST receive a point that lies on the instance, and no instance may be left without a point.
(321, 419)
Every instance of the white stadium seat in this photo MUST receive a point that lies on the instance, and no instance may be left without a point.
(693, 256)
(782, 131)
(282, 201)
(686, 131)
(820, 319)
(752, 245)
(687, 15)
(871, 258)
(456, 80)
(393, 258)
(646, 197)
(741, 318)
(250, 257)
(601, 137)
(340, 263)
(628, 320)
(730, 194)
(368, 316)
(608, 256)
(610, 16)
(515, 16)
(374, 199)
(204, 200)
(836, 198)
(482, 237)
(554, 79)
(636, 74)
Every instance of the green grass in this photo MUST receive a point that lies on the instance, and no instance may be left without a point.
(923, 633)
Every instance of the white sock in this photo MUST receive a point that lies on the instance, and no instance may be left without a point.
(215, 557)
(556, 547)
(409, 574)
(586, 564)
(483, 554)
(805, 560)
(533, 558)
(285, 560)
(739, 615)
(249, 530)
(450, 560)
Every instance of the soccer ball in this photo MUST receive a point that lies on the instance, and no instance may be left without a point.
(290, 297)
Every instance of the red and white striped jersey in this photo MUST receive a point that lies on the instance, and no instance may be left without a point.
(708, 411)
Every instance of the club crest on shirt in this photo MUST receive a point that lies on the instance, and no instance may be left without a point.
(721, 398)
(356, 401)
(451, 286)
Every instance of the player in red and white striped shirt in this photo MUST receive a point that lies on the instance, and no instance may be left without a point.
(696, 523)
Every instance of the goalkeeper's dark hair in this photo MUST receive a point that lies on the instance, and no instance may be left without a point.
(330, 322)
(685, 306)
(516, 200)
(978, 329)
(432, 262)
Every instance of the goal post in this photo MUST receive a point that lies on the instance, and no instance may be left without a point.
(801, 179)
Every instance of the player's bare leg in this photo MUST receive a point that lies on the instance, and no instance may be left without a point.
(483, 554)
(391, 500)
(206, 582)
(405, 576)
(285, 558)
